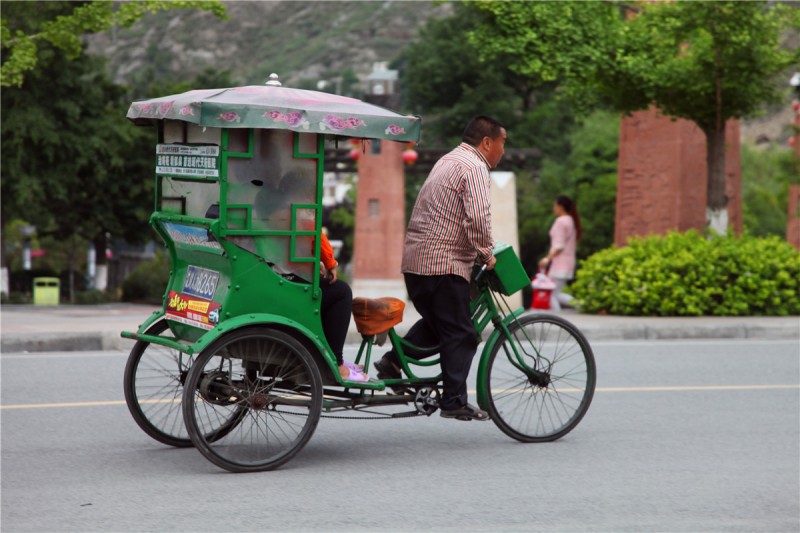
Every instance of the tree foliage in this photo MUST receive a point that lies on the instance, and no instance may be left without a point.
(703, 61)
(445, 80)
(21, 38)
(447, 84)
(587, 173)
(767, 174)
(69, 155)
(73, 165)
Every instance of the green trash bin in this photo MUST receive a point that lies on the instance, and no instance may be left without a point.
(46, 291)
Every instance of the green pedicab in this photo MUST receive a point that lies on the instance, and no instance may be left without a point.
(236, 362)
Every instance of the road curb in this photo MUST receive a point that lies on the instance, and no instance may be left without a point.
(64, 342)
(106, 340)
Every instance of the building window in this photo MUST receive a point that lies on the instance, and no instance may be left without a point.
(373, 207)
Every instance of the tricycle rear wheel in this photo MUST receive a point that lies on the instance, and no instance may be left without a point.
(272, 377)
(541, 396)
(153, 385)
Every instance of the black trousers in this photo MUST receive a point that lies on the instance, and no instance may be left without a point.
(337, 306)
(443, 302)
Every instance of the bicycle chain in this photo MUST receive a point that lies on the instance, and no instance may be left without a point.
(342, 417)
(376, 417)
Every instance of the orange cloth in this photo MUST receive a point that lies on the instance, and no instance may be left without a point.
(378, 315)
(326, 253)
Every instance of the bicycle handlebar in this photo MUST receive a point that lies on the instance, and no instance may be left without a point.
(481, 271)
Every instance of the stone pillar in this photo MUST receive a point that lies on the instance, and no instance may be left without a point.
(504, 218)
(662, 176)
(380, 221)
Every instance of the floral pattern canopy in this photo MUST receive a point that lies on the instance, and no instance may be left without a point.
(272, 107)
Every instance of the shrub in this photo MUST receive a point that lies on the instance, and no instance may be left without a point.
(147, 281)
(94, 297)
(688, 274)
(16, 298)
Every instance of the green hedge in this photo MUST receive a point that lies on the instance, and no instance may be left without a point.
(691, 275)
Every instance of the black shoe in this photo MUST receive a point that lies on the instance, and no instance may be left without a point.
(388, 370)
(465, 412)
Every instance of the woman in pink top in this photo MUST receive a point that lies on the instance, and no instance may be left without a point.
(564, 236)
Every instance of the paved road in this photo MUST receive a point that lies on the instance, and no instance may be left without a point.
(682, 436)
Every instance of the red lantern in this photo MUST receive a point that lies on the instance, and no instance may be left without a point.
(796, 106)
(355, 153)
(410, 156)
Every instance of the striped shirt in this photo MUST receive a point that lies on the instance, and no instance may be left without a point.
(451, 224)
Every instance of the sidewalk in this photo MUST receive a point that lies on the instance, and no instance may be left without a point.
(25, 328)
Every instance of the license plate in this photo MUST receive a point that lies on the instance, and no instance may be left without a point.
(200, 282)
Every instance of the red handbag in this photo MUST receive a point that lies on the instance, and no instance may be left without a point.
(541, 299)
(542, 290)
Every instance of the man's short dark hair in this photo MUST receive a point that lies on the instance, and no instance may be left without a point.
(480, 127)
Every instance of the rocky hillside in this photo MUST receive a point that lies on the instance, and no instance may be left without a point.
(304, 42)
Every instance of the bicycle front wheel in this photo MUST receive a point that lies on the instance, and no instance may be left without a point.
(269, 382)
(540, 380)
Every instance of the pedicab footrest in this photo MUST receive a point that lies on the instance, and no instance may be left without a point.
(169, 342)
(374, 316)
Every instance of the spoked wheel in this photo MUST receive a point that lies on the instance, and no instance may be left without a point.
(272, 380)
(153, 386)
(542, 391)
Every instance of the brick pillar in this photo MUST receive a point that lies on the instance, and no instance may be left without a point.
(793, 218)
(796, 109)
(662, 176)
(380, 221)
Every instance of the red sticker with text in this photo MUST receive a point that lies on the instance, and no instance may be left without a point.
(192, 311)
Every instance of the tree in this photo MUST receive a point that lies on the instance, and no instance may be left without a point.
(21, 42)
(707, 62)
(72, 164)
(767, 174)
(444, 80)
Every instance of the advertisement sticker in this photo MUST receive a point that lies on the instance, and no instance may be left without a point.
(185, 309)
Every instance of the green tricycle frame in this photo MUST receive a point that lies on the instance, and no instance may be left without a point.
(236, 362)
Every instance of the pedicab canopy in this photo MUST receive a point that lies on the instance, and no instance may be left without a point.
(275, 107)
(238, 198)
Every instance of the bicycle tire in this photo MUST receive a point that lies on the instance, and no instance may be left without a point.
(273, 377)
(521, 405)
(153, 387)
